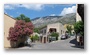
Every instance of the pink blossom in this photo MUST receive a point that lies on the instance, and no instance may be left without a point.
(21, 28)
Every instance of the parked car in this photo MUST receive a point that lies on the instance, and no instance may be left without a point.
(63, 37)
(67, 35)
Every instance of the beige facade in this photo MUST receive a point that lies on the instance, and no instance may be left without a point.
(44, 39)
(59, 28)
(8, 22)
(78, 18)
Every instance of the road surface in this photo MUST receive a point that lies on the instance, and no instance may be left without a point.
(60, 44)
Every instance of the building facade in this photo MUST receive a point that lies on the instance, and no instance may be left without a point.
(78, 18)
(8, 22)
(56, 27)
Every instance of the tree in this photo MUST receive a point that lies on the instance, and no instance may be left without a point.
(79, 28)
(23, 17)
(36, 30)
(69, 29)
(21, 29)
(34, 38)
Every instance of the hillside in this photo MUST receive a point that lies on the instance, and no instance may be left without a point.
(43, 21)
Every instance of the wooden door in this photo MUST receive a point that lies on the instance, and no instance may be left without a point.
(44, 39)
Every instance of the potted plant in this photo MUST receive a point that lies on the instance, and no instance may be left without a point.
(54, 34)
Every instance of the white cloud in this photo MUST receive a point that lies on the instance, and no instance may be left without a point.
(68, 10)
(27, 6)
(52, 14)
(7, 7)
(11, 6)
(33, 6)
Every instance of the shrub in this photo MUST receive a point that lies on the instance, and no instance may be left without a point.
(21, 29)
(31, 37)
(34, 38)
(36, 30)
(54, 34)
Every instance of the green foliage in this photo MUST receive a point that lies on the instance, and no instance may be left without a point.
(23, 17)
(54, 34)
(27, 19)
(79, 27)
(34, 38)
(36, 30)
(31, 37)
(69, 29)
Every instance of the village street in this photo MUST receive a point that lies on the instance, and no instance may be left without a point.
(60, 44)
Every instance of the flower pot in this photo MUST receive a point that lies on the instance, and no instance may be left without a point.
(13, 44)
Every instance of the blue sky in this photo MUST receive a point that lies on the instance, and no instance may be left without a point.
(39, 10)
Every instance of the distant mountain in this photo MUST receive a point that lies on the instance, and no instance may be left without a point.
(43, 21)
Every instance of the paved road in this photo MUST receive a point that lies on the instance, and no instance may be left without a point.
(60, 44)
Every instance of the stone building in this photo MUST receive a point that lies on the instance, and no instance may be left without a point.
(55, 27)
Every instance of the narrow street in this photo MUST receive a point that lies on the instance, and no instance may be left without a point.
(60, 44)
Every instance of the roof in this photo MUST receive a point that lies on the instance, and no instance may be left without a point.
(9, 16)
(55, 24)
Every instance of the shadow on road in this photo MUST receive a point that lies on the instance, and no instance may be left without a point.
(23, 45)
(73, 41)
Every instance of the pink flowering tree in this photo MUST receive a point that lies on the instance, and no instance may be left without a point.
(20, 29)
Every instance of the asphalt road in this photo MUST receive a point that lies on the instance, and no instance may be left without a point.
(60, 44)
